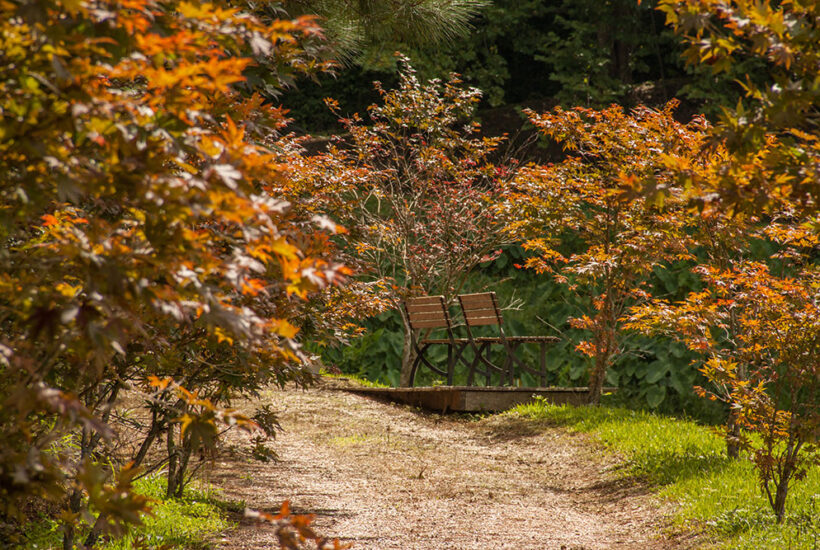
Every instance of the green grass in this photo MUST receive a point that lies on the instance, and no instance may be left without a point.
(688, 465)
(186, 523)
(355, 379)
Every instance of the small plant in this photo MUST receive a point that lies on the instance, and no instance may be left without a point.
(767, 373)
(687, 464)
(260, 450)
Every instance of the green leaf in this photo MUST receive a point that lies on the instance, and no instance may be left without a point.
(657, 371)
(680, 386)
(655, 396)
(612, 377)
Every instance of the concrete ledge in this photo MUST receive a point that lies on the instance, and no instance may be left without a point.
(473, 398)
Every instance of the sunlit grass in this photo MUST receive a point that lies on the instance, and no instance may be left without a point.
(688, 464)
(355, 379)
(185, 523)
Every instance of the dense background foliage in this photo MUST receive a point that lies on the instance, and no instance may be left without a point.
(540, 53)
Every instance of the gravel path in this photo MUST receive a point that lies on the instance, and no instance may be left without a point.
(388, 477)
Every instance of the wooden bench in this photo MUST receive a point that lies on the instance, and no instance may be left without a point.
(425, 314)
(481, 310)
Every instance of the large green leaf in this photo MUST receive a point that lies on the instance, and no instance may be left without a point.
(657, 371)
(655, 395)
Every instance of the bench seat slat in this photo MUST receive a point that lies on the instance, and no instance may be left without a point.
(532, 339)
(498, 340)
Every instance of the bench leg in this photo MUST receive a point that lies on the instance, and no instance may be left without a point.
(450, 366)
(418, 359)
(413, 370)
(543, 364)
(486, 348)
(511, 361)
(509, 369)
(478, 359)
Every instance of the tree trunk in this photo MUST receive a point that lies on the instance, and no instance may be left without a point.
(406, 358)
(171, 449)
(407, 350)
(74, 504)
(596, 380)
(732, 433)
(75, 500)
(621, 53)
(782, 482)
(182, 468)
(780, 496)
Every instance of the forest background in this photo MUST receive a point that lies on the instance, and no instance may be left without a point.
(539, 54)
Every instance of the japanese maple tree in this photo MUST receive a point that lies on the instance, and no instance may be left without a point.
(592, 194)
(787, 36)
(759, 334)
(143, 240)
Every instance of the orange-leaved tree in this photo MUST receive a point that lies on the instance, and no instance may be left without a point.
(142, 239)
(787, 105)
(760, 336)
(591, 194)
(770, 171)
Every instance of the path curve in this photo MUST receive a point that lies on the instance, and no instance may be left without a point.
(388, 477)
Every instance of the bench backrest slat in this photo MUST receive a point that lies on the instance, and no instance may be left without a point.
(479, 321)
(480, 309)
(423, 308)
(427, 312)
(425, 300)
(426, 316)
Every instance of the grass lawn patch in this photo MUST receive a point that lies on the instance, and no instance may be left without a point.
(354, 379)
(187, 522)
(688, 464)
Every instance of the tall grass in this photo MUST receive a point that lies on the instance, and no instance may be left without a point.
(687, 463)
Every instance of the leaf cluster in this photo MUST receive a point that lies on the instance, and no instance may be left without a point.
(147, 245)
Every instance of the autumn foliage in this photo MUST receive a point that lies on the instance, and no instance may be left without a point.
(143, 239)
(786, 36)
(759, 335)
(592, 195)
(166, 241)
